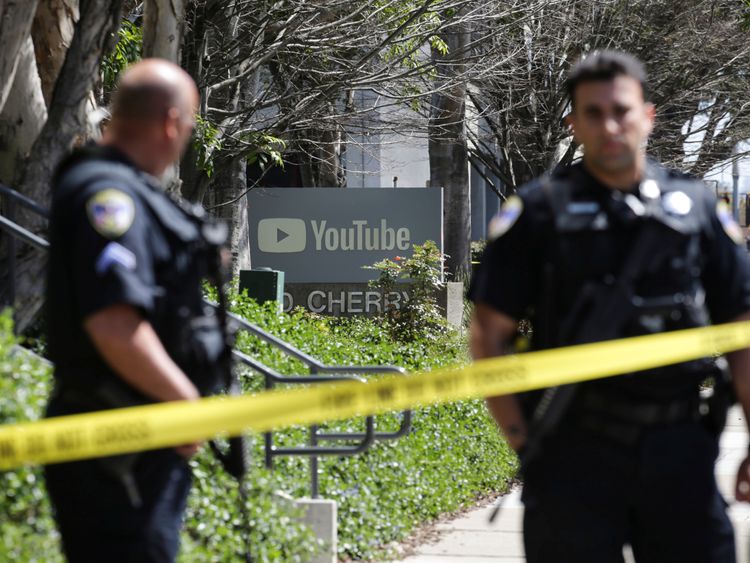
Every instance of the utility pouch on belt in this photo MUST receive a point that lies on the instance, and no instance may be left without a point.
(121, 468)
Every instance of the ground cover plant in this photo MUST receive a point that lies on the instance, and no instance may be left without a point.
(453, 455)
(26, 529)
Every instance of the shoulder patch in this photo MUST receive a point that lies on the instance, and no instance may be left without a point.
(506, 217)
(110, 212)
(730, 226)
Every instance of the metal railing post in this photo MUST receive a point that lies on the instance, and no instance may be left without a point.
(268, 436)
(314, 477)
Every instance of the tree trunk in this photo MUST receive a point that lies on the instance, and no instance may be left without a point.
(163, 23)
(15, 23)
(449, 160)
(20, 122)
(307, 168)
(52, 32)
(65, 124)
(67, 119)
(229, 184)
(330, 172)
(22, 117)
(194, 182)
(228, 192)
(198, 34)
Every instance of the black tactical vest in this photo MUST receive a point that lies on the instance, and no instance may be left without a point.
(188, 329)
(595, 232)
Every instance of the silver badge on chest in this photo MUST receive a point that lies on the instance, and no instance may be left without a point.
(650, 189)
(677, 204)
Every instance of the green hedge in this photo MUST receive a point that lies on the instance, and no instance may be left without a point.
(453, 456)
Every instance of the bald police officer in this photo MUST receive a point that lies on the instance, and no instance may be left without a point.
(615, 246)
(126, 320)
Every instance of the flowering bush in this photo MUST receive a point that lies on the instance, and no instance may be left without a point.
(420, 316)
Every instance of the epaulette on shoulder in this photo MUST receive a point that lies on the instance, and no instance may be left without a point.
(679, 180)
(562, 171)
(559, 173)
(77, 156)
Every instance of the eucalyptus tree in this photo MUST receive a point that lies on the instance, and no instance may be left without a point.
(50, 91)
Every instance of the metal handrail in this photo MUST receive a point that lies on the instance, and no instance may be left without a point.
(9, 225)
(276, 377)
(319, 372)
(317, 368)
(27, 202)
(367, 437)
(15, 230)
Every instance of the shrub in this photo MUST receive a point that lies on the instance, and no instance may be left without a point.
(419, 317)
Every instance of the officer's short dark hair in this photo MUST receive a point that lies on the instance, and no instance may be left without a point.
(605, 66)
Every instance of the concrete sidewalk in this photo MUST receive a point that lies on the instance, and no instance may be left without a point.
(471, 539)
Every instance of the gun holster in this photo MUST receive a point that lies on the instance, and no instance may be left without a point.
(121, 468)
(109, 395)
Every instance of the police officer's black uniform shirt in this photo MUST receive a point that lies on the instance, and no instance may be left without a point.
(522, 272)
(109, 246)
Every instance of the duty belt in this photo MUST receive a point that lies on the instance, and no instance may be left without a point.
(99, 398)
(625, 420)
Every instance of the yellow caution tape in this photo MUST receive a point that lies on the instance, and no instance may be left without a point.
(168, 424)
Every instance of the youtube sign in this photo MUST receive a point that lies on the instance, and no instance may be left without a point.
(332, 235)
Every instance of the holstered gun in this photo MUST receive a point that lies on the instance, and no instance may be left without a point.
(109, 395)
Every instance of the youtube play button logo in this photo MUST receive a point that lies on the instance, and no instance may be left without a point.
(282, 235)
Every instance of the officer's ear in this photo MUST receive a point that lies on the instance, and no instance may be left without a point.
(172, 124)
(568, 121)
(650, 111)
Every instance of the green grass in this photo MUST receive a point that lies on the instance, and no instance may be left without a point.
(453, 456)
